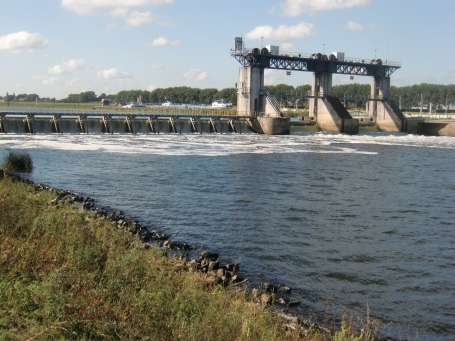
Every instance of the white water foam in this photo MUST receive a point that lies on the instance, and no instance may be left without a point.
(219, 145)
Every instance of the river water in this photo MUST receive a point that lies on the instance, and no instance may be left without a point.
(363, 222)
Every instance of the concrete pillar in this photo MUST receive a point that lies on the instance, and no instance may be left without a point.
(321, 85)
(385, 116)
(380, 89)
(249, 97)
(327, 111)
(251, 101)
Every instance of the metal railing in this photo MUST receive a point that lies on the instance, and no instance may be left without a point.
(172, 111)
(433, 117)
(359, 113)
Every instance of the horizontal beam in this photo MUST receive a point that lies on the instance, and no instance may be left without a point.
(358, 67)
(5, 115)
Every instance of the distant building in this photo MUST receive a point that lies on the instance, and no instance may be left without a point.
(105, 102)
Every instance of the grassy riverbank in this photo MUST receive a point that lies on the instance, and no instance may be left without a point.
(65, 274)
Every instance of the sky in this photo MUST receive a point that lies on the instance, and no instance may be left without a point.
(57, 47)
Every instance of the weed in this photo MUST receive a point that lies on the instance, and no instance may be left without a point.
(17, 162)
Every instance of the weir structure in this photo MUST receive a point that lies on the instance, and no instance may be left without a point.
(71, 121)
(327, 110)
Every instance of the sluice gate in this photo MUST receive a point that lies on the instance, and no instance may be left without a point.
(16, 123)
(327, 111)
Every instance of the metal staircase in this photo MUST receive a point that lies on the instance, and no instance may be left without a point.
(393, 105)
(274, 102)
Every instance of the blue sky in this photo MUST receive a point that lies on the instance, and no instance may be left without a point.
(57, 47)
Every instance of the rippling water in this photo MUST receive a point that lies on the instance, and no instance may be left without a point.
(356, 221)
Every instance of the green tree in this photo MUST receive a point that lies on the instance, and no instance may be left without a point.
(9, 98)
(32, 97)
(228, 94)
(208, 95)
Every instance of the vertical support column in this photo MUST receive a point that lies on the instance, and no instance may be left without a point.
(328, 111)
(251, 101)
(387, 115)
(321, 85)
(380, 89)
(249, 97)
(372, 108)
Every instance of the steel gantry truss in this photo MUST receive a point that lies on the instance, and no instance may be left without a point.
(299, 62)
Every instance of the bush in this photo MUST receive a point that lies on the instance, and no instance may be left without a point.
(17, 162)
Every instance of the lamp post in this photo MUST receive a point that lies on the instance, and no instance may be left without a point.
(323, 49)
(262, 40)
(375, 53)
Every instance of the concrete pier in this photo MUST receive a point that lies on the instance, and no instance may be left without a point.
(253, 101)
(388, 116)
(328, 111)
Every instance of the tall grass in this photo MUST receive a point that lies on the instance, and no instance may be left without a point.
(17, 162)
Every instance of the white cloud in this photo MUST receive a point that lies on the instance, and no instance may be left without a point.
(353, 26)
(283, 32)
(15, 42)
(294, 8)
(74, 81)
(67, 67)
(273, 77)
(18, 85)
(51, 81)
(157, 66)
(89, 6)
(139, 18)
(288, 47)
(152, 87)
(114, 74)
(119, 12)
(161, 41)
(133, 18)
(196, 74)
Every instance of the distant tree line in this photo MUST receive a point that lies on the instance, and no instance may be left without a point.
(437, 94)
(86, 97)
(24, 98)
(179, 94)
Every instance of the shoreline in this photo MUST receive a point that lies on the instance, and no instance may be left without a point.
(227, 275)
(208, 262)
